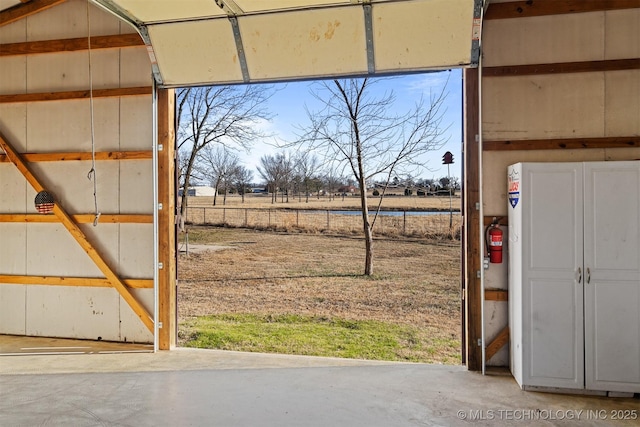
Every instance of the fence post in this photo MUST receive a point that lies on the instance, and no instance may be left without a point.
(246, 222)
(204, 215)
(269, 217)
(404, 222)
(328, 225)
(224, 215)
(297, 218)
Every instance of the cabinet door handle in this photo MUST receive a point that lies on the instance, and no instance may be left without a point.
(579, 275)
(588, 275)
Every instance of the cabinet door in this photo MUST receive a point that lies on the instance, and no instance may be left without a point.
(552, 256)
(612, 276)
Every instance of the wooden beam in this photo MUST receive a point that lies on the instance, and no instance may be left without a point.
(502, 220)
(531, 8)
(19, 12)
(167, 307)
(498, 342)
(472, 251)
(82, 156)
(562, 68)
(72, 281)
(496, 295)
(79, 219)
(562, 143)
(76, 94)
(80, 237)
(71, 45)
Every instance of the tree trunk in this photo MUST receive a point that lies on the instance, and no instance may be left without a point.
(368, 233)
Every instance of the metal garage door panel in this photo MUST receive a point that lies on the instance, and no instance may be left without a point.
(305, 44)
(169, 10)
(253, 41)
(198, 52)
(262, 5)
(420, 35)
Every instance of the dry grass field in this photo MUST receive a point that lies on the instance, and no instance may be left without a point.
(416, 283)
(324, 202)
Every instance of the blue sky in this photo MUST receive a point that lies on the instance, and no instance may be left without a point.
(288, 105)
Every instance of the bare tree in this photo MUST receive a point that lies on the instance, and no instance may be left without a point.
(358, 129)
(242, 178)
(226, 115)
(307, 166)
(218, 164)
(277, 171)
(269, 170)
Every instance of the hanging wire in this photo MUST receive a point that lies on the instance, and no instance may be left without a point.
(92, 173)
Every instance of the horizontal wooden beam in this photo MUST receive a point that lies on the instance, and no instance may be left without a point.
(562, 68)
(72, 281)
(76, 94)
(71, 45)
(80, 219)
(498, 342)
(82, 156)
(496, 295)
(562, 143)
(531, 8)
(19, 12)
(502, 220)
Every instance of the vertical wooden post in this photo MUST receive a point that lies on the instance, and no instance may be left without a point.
(167, 306)
(471, 251)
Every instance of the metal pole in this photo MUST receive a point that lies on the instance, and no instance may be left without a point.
(450, 209)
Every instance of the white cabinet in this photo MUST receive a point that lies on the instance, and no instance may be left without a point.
(574, 275)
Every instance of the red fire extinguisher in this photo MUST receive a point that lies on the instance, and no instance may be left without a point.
(494, 244)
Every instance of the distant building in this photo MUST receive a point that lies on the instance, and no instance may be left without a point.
(199, 191)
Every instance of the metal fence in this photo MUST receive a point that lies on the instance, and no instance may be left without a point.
(406, 223)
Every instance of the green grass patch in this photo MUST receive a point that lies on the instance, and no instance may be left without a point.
(316, 336)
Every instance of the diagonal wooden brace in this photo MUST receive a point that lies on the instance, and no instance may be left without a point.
(80, 237)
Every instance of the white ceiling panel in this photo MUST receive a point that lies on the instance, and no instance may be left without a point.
(201, 42)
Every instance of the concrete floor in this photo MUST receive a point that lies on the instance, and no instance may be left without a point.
(188, 387)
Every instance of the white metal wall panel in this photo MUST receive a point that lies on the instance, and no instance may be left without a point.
(134, 68)
(71, 21)
(66, 126)
(622, 100)
(69, 183)
(12, 74)
(12, 312)
(135, 259)
(13, 252)
(14, 33)
(623, 34)
(47, 249)
(315, 43)
(51, 251)
(136, 119)
(72, 312)
(544, 106)
(70, 71)
(545, 39)
(131, 328)
(13, 123)
(137, 198)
